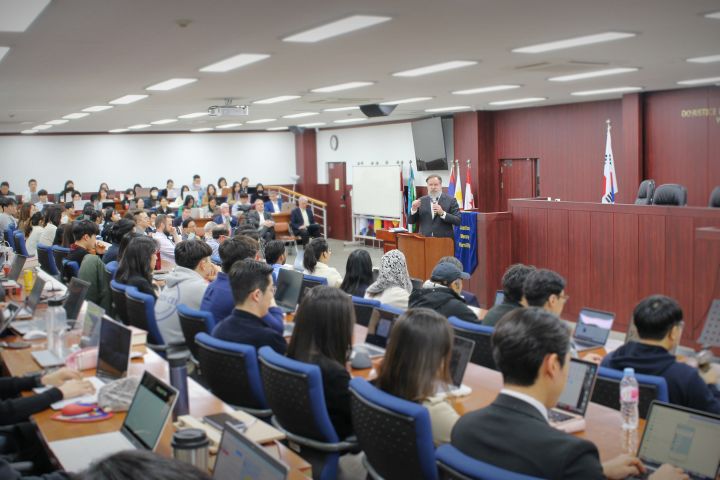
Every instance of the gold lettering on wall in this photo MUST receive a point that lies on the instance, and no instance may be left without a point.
(705, 112)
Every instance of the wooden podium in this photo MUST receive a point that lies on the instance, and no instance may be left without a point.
(422, 253)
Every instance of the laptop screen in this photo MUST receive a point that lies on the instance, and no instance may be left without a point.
(77, 290)
(593, 326)
(461, 353)
(240, 457)
(499, 297)
(288, 287)
(381, 323)
(17, 265)
(685, 438)
(34, 298)
(114, 348)
(91, 324)
(578, 389)
(149, 410)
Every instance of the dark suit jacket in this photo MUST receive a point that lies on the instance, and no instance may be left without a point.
(437, 227)
(253, 218)
(221, 221)
(269, 206)
(512, 434)
(296, 220)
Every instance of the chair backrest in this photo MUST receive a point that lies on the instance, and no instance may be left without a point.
(294, 392)
(670, 194)
(481, 335)
(71, 269)
(363, 309)
(714, 201)
(607, 389)
(455, 465)
(140, 309)
(232, 373)
(119, 303)
(193, 322)
(395, 434)
(10, 237)
(311, 281)
(20, 247)
(645, 192)
(60, 254)
(46, 259)
(417, 284)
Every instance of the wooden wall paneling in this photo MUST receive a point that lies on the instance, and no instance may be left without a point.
(713, 176)
(706, 279)
(306, 162)
(520, 237)
(494, 255)
(602, 251)
(651, 255)
(537, 244)
(625, 278)
(558, 242)
(579, 261)
(630, 162)
(679, 264)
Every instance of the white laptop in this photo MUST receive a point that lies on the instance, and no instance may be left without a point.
(15, 269)
(240, 458)
(592, 329)
(569, 413)
(379, 328)
(149, 411)
(26, 311)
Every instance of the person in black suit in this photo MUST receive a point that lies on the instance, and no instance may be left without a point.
(262, 221)
(436, 212)
(531, 347)
(304, 226)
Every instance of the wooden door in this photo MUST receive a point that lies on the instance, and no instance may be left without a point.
(518, 179)
(338, 201)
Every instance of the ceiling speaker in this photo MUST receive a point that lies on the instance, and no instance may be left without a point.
(377, 110)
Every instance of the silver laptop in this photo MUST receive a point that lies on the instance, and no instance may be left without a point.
(288, 286)
(77, 291)
(683, 437)
(460, 357)
(379, 328)
(91, 325)
(592, 329)
(15, 269)
(26, 311)
(240, 458)
(499, 297)
(149, 411)
(569, 413)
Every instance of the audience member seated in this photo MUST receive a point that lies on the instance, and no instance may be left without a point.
(234, 193)
(31, 194)
(512, 283)
(66, 195)
(242, 206)
(117, 232)
(128, 199)
(358, 273)
(210, 192)
(188, 229)
(416, 366)
(25, 211)
(302, 221)
(154, 199)
(210, 209)
(110, 217)
(92, 268)
(35, 233)
(166, 238)
(185, 284)
(659, 323)
(136, 464)
(208, 228)
(218, 298)
(42, 199)
(142, 221)
(275, 256)
(546, 289)
(163, 206)
(322, 335)
(261, 220)
(9, 210)
(84, 234)
(137, 264)
(224, 218)
(259, 194)
(531, 348)
(5, 190)
(445, 295)
(219, 235)
(183, 215)
(169, 185)
(52, 216)
(274, 203)
(253, 292)
(315, 260)
(180, 200)
(393, 285)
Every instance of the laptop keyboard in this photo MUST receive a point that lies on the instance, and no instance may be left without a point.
(556, 416)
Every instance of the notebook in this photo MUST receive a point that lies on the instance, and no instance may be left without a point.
(683, 437)
(592, 329)
(238, 457)
(149, 411)
(379, 328)
(569, 413)
(287, 293)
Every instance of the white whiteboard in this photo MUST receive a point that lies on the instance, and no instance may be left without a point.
(376, 191)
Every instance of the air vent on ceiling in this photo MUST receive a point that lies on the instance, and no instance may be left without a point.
(572, 66)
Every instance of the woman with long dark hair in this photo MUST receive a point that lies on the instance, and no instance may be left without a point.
(52, 216)
(67, 192)
(416, 366)
(315, 260)
(358, 273)
(137, 264)
(323, 331)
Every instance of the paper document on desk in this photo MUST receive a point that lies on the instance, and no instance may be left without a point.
(97, 383)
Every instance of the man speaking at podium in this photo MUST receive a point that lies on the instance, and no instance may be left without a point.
(436, 212)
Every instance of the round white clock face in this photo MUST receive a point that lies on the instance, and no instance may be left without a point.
(334, 142)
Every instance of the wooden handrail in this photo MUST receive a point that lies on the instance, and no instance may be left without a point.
(295, 194)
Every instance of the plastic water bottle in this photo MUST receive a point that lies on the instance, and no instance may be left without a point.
(629, 399)
(56, 326)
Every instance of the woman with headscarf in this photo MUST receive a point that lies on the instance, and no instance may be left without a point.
(393, 285)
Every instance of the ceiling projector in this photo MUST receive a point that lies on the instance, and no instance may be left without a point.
(228, 110)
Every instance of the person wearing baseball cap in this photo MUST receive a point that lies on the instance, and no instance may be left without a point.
(442, 294)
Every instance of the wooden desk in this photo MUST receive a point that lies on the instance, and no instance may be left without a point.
(202, 402)
(603, 423)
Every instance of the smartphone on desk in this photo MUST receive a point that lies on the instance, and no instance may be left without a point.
(219, 420)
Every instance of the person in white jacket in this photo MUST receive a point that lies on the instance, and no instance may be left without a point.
(315, 260)
(185, 285)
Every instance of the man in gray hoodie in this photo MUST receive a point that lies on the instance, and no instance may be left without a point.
(185, 285)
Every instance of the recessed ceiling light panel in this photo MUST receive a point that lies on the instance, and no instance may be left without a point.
(193, 115)
(261, 120)
(706, 59)
(574, 42)
(605, 91)
(699, 81)
(448, 109)
(593, 74)
(57, 122)
(171, 84)
(491, 88)
(438, 67)
(341, 109)
(406, 100)
(97, 108)
(519, 101)
(341, 86)
(301, 115)
(234, 62)
(75, 116)
(339, 27)
(127, 99)
(281, 98)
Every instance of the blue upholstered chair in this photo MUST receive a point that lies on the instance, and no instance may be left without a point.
(310, 281)
(455, 465)
(215, 259)
(47, 260)
(363, 309)
(231, 372)
(60, 254)
(140, 309)
(70, 270)
(294, 392)
(607, 389)
(480, 334)
(119, 303)
(20, 247)
(193, 322)
(9, 235)
(395, 434)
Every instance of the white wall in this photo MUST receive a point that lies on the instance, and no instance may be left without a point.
(384, 143)
(148, 159)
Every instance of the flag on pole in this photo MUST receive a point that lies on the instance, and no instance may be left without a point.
(451, 185)
(410, 196)
(403, 215)
(469, 199)
(458, 189)
(611, 187)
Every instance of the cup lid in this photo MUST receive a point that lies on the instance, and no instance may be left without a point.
(190, 438)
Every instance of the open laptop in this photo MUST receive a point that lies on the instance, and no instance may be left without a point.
(26, 310)
(238, 457)
(77, 291)
(379, 328)
(499, 297)
(91, 325)
(683, 437)
(149, 411)
(460, 357)
(592, 329)
(569, 413)
(287, 293)
(15, 269)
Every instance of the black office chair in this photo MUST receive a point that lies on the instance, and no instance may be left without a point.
(481, 335)
(715, 198)
(670, 194)
(645, 192)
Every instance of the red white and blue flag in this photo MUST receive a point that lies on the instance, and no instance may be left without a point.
(611, 186)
